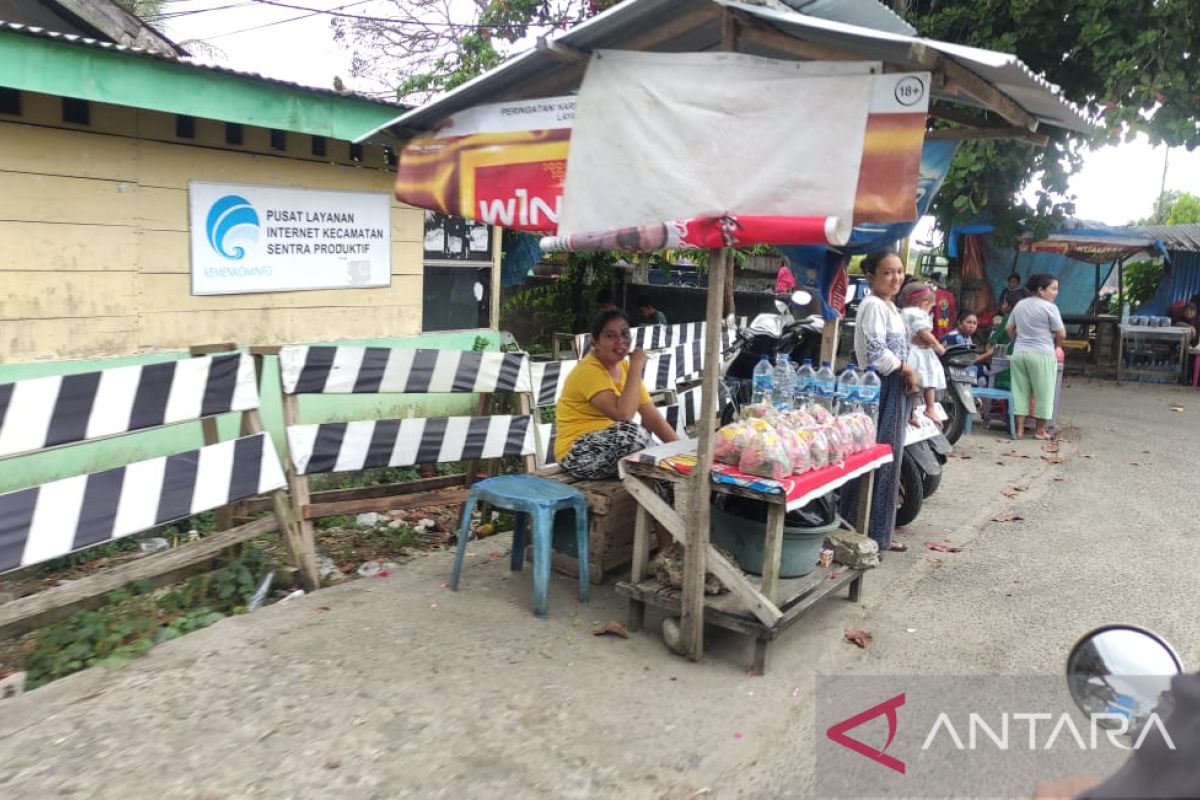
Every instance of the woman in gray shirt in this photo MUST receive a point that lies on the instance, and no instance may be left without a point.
(1037, 329)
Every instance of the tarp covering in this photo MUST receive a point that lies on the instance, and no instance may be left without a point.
(662, 137)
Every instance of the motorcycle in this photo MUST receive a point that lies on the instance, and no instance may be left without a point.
(925, 451)
(1120, 674)
(769, 334)
(958, 362)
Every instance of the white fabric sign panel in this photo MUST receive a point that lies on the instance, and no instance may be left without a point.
(277, 239)
(663, 136)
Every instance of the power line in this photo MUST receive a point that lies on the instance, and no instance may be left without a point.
(334, 12)
(314, 12)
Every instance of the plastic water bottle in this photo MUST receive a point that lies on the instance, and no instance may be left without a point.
(825, 384)
(764, 382)
(868, 393)
(803, 387)
(847, 389)
(784, 381)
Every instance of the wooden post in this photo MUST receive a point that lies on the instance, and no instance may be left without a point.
(641, 555)
(829, 341)
(773, 551)
(298, 489)
(692, 623)
(297, 533)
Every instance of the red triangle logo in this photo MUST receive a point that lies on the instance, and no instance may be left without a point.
(837, 733)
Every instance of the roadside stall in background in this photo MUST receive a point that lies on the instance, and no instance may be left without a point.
(694, 188)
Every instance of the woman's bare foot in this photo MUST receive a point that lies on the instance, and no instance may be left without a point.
(929, 412)
(916, 423)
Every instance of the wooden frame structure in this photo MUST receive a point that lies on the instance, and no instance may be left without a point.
(367, 444)
(71, 514)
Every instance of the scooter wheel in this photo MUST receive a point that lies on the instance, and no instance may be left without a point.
(912, 492)
(957, 418)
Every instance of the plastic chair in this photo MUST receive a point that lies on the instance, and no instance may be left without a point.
(529, 496)
(992, 393)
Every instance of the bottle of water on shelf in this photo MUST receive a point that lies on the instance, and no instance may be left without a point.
(764, 382)
(784, 381)
(824, 385)
(868, 393)
(804, 384)
(847, 390)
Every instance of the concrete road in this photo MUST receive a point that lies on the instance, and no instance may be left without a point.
(396, 687)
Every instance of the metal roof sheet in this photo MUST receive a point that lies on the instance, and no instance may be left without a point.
(190, 62)
(1175, 237)
(693, 26)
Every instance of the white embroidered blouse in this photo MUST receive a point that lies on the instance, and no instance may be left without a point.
(880, 336)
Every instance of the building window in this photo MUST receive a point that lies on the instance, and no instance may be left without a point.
(318, 146)
(76, 112)
(10, 101)
(278, 140)
(458, 274)
(356, 152)
(185, 126)
(233, 133)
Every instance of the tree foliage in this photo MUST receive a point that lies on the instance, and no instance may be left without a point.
(1173, 208)
(1129, 64)
(425, 47)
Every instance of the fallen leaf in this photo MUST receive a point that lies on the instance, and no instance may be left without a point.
(1089, 455)
(321, 608)
(1021, 488)
(613, 627)
(1053, 459)
(1177, 407)
(935, 562)
(1136, 464)
(1060, 478)
(858, 637)
(1011, 494)
(1007, 518)
(942, 547)
(1001, 463)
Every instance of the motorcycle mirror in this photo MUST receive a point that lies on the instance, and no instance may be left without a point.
(1120, 673)
(801, 297)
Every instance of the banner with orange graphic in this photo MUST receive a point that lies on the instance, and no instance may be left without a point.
(849, 153)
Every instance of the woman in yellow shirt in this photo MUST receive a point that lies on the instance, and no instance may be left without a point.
(600, 399)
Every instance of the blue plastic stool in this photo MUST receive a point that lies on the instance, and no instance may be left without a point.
(1003, 395)
(529, 495)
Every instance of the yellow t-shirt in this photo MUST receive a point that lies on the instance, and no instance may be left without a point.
(575, 415)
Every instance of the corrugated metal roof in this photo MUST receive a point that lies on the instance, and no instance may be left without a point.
(1175, 237)
(193, 63)
(866, 13)
(694, 26)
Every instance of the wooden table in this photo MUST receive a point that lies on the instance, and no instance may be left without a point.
(759, 607)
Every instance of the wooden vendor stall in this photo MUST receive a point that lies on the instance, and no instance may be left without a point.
(585, 152)
(759, 607)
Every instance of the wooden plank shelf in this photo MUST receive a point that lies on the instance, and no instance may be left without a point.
(797, 596)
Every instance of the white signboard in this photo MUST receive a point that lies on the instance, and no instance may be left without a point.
(276, 239)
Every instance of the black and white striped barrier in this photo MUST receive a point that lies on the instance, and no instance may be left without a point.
(311, 369)
(59, 517)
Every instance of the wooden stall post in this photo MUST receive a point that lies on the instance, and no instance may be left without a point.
(692, 621)
(298, 489)
(829, 340)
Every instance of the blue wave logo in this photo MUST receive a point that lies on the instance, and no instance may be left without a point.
(232, 219)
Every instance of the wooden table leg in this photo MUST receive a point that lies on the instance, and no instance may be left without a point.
(856, 589)
(773, 551)
(641, 554)
(761, 652)
(866, 488)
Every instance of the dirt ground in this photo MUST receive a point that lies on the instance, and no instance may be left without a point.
(397, 687)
